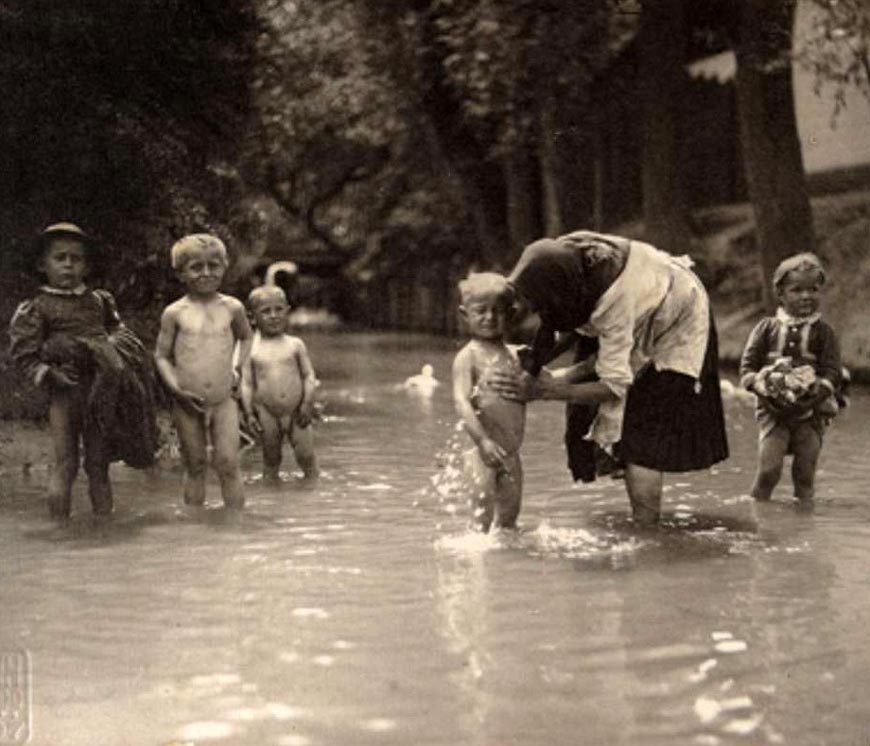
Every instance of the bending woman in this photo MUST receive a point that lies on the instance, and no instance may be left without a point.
(657, 387)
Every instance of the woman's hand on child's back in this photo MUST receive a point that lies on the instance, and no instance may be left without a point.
(513, 385)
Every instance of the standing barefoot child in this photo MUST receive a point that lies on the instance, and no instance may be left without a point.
(796, 336)
(198, 337)
(496, 425)
(70, 340)
(278, 384)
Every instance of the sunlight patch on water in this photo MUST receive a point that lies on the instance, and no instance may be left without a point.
(269, 711)
(579, 543)
(703, 669)
(294, 739)
(469, 542)
(730, 646)
(208, 730)
(379, 725)
(310, 613)
(544, 541)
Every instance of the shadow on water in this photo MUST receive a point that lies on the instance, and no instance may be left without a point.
(83, 530)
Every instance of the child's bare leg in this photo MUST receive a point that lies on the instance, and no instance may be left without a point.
(97, 469)
(509, 493)
(190, 427)
(64, 420)
(771, 453)
(302, 440)
(482, 481)
(272, 438)
(644, 487)
(807, 446)
(225, 440)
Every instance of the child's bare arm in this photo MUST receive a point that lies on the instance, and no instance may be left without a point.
(309, 383)
(243, 334)
(165, 364)
(247, 389)
(463, 383)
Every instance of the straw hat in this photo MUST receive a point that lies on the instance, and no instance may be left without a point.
(63, 230)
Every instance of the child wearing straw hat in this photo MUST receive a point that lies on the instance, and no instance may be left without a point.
(69, 340)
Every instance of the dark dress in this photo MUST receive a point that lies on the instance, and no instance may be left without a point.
(117, 381)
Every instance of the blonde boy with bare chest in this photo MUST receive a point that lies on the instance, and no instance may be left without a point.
(494, 424)
(278, 385)
(199, 334)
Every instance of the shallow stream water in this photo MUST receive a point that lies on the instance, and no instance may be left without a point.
(361, 611)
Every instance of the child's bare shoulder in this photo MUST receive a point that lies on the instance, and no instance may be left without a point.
(465, 357)
(292, 339)
(174, 309)
(232, 303)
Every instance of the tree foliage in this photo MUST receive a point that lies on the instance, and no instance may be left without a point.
(836, 47)
(494, 85)
(334, 146)
(115, 112)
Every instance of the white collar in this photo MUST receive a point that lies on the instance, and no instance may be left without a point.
(786, 318)
(79, 290)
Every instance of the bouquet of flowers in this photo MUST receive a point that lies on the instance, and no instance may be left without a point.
(783, 384)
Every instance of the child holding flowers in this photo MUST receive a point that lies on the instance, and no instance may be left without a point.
(791, 362)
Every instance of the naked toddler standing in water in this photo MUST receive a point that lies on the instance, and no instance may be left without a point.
(496, 425)
(278, 384)
(195, 352)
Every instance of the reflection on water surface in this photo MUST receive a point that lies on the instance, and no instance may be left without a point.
(361, 612)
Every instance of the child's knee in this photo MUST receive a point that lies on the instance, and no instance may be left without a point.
(770, 474)
(226, 465)
(67, 464)
(195, 464)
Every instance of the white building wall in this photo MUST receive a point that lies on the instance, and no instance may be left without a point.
(827, 144)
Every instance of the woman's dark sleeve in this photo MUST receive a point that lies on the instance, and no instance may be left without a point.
(754, 354)
(26, 337)
(541, 350)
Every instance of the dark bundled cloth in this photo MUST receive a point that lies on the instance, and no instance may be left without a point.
(117, 382)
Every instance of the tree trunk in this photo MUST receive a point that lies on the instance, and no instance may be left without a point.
(551, 186)
(661, 44)
(523, 195)
(769, 136)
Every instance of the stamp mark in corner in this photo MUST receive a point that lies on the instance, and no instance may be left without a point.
(15, 693)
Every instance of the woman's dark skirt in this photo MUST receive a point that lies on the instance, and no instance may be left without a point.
(669, 425)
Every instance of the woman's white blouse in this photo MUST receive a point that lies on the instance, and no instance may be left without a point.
(656, 312)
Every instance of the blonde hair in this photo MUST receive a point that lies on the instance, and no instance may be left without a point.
(266, 292)
(803, 262)
(486, 285)
(182, 248)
